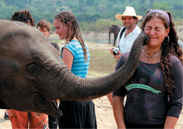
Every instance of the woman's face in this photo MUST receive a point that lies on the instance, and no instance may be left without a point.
(60, 29)
(157, 32)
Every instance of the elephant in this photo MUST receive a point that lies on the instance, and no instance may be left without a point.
(115, 30)
(33, 75)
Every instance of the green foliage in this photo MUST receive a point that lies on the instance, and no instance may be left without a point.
(179, 22)
(20, 3)
(163, 5)
(90, 2)
(88, 12)
(7, 11)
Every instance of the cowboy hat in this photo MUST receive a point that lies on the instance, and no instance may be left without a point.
(130, 11)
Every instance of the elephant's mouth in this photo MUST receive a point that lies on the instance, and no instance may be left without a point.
(47, 106)
(55, 107)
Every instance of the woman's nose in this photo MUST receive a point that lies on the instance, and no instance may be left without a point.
(152, 32)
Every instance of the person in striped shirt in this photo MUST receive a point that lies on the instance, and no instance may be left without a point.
(75, 54)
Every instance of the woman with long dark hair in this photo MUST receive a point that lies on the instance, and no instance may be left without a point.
(155, 91)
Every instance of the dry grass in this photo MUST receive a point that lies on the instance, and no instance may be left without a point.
(101, 61)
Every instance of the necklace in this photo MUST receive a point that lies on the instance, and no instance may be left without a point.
(143, 50)
(149, 68)
(146, 69)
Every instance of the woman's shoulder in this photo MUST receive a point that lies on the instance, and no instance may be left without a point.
(76, 44)
(173, 59)
(72, 42)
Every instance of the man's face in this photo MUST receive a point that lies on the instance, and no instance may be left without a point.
(44, 30)
(129, 22)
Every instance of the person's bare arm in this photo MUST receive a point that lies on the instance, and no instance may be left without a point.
(111, 50)
(67, 58)
(115, 56)
(118, 110)
(118, 56)
(170, 122)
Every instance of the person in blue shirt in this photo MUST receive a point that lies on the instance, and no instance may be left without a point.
(75, 54)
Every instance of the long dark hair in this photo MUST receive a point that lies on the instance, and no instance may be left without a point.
(67, 17)
(171, 48)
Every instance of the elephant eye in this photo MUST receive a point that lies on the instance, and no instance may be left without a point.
(33, 69)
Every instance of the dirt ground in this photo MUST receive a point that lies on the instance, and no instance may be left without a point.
(103, 110)
(104, 114)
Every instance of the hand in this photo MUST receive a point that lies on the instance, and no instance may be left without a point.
(118, 56)
(111, 50)
(115, 56)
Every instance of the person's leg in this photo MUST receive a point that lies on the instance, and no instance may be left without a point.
(90, 120)
(73, 114)
(109, 96)
(19, 120)
(38, 121)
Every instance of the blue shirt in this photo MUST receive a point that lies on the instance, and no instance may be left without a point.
(80, 65)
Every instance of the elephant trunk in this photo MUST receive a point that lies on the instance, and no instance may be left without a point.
(74, 88)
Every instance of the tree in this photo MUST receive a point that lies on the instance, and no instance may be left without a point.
(163, 5)
(151, 3)
(59, 3)
(20, 3)
(95, 17)
(90, 2)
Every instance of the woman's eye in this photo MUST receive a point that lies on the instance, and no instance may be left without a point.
(148, 28)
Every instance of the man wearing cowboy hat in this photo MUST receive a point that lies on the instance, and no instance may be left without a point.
(129, 33)
(125, 41)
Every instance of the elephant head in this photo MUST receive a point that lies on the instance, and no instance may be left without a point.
(32, 74)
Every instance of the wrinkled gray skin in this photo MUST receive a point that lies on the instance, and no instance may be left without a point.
(32, 74)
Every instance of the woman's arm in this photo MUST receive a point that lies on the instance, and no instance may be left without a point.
(170, 122)
(118, 110)
(67, 58)
(175, 103)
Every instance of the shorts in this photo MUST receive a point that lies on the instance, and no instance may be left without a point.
(25, 120)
